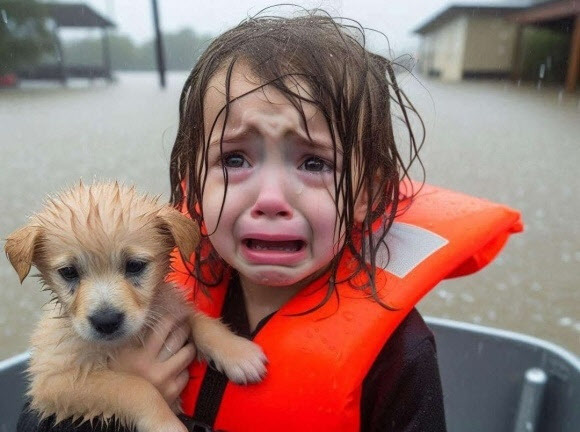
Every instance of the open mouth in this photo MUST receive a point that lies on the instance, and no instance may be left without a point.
(278, 246)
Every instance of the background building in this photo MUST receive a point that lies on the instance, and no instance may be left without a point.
(534, 41)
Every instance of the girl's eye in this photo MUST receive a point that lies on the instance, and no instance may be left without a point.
(315, 164)
(69, 273)
(134, 267)
(234, 160)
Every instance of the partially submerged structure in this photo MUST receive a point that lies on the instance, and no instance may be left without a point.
(556, 15)
(72, 15)
(486, 41)
(466, 41)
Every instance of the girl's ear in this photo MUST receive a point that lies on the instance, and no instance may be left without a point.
(361, 206)
(20, 247)
(184, 230)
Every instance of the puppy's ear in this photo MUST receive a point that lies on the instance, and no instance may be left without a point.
(20, 247)
(185, 231)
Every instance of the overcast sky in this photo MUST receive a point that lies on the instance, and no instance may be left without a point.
(395, 18)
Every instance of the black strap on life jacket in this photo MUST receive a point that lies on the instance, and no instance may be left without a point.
(214, 382)
(212, 388)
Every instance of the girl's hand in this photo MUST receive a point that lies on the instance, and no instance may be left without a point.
(162, 360)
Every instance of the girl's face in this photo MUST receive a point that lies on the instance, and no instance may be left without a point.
(278, 224)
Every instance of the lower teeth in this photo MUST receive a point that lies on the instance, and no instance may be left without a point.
(274, 249)
(261, 247)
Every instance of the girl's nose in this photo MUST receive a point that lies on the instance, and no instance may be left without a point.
(271, 201)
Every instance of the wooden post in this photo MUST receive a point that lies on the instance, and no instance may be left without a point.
(518, 54)
(106, 53)
(159, 45)
(574, 58)
(61, 60)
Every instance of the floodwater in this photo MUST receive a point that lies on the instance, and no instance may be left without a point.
(515, 145)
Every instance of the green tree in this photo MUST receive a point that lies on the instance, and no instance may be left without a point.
(24, 33)
(125, 55)
(182, 49)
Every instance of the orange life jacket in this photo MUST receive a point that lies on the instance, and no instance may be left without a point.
(317, 362)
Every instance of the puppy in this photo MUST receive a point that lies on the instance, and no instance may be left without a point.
(104, 251)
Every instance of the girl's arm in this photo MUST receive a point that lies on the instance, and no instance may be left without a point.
(402, 391)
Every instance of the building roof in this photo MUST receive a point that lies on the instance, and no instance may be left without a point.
(456, 10)
(548, 11)
(76, 15)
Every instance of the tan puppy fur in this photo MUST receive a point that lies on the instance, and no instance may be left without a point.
(104, 251)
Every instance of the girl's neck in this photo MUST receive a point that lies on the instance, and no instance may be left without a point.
(263, 300)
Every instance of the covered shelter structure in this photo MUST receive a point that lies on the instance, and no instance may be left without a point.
(487, 41)
(468, 41)
(73, 15)
(563, 15)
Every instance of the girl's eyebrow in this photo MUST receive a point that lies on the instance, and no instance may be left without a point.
(324, 144)
(229, 136)
(242, 132)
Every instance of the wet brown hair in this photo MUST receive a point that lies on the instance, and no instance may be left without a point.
(355, 90)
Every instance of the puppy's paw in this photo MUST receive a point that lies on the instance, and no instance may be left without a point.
(242, 361)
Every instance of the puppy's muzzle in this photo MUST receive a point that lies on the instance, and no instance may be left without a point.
(107, 321)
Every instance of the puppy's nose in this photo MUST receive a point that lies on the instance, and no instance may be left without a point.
(107, 321)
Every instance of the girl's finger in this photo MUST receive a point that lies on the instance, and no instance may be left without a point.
(182, 359)
(176, 339)
(155, 340)
(175, 388)
(181, 381)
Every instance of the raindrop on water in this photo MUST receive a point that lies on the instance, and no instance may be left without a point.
(501, 286)
(566, 257)
(468, 298)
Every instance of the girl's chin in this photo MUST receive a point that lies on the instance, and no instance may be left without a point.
(273, 278)
(281, 278)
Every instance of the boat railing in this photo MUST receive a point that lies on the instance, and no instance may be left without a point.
(493, 381)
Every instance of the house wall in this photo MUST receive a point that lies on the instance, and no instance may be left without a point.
(489, 46)
(442, 51)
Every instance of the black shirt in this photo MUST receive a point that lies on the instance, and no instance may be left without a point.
(401, 393)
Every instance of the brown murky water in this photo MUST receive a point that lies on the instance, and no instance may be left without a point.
(518, 146)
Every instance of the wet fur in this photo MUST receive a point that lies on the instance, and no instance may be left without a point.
(98, 228)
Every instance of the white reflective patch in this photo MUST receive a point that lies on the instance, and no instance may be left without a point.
(408, 246)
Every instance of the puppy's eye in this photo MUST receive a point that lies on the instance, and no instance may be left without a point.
(135, 267)
(68, 273)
